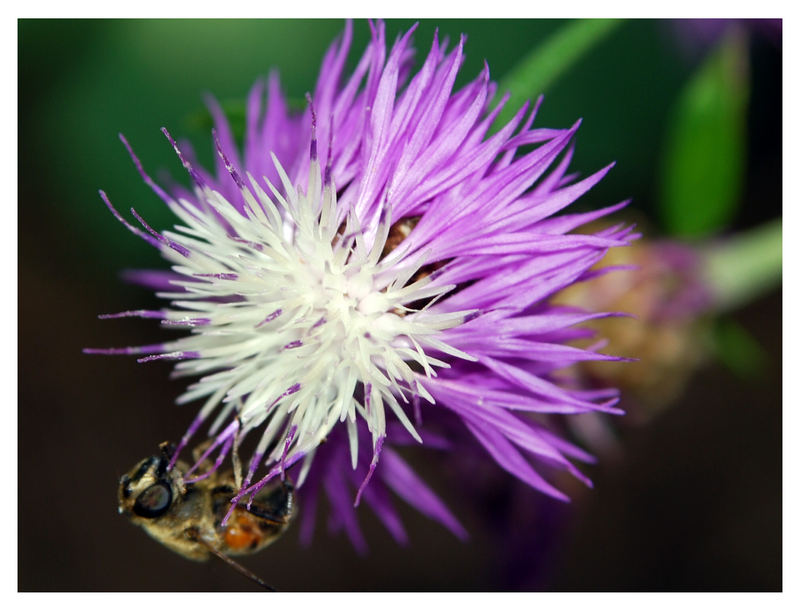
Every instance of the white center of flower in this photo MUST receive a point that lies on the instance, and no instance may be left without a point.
(303, 325)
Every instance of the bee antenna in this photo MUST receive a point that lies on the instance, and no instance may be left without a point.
(234, 564)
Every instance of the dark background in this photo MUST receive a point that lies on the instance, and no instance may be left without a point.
(694, 502)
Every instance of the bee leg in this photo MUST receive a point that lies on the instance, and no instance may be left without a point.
(270, 519)
(237, 463)
(193, 535)
(198, 451)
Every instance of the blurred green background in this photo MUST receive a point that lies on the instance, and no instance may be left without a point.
(695, 505)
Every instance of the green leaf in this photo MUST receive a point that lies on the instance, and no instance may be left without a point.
(545, 64)
(704, 159)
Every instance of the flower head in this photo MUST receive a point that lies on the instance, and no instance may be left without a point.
(670, 300)
(375, 256)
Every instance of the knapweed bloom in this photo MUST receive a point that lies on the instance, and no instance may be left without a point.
(670, 300)
(376, 256)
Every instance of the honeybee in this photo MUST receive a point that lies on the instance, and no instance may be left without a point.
(187, 517)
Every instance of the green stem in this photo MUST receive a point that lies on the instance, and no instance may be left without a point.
(744, 266)
(542, 66)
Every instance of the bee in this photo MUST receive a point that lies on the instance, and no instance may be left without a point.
(187, 517)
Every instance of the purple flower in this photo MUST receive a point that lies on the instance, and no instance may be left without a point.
(374, 257)
(669, 296)
(334, 476)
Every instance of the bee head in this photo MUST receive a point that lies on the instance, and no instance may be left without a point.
(149, 489)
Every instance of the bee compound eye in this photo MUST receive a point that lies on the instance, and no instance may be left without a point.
(153, 501)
